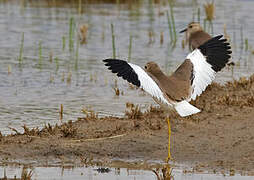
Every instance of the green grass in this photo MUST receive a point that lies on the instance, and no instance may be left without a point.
(113, 41)
(57, 63)
(130, 48)
(171, 23)
(40, 54)
(71, 32)
(64, 42)
(79, 7)
(198, 15)
(246, 44)
(169, 27)
(241, 34)
(20, 58)
(173, 20)
(77, 54)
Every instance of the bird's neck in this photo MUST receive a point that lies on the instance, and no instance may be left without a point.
(158, 74)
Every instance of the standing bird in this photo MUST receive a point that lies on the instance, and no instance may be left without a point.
(186, 83)
(195, 35)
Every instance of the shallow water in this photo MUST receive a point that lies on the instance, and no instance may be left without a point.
(97, 173)
(32, 92)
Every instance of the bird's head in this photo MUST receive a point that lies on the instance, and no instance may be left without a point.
(152, 68)
(192, 28)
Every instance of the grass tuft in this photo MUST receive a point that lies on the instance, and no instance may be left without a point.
(209, 10)
(83, 33)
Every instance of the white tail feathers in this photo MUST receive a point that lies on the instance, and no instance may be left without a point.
(185, 109)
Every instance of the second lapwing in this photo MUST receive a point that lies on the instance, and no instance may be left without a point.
(195, 35)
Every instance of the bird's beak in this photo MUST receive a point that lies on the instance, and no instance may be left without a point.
(183, 30)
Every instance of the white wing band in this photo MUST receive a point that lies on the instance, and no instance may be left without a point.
(203, 73)
(148, 84)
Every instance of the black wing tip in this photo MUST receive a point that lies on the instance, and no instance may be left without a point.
(111, 60)
(122, 69)
(217, 52)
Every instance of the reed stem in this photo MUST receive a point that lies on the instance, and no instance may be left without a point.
(40, 54)
(57, 63)
(198, 15)
(170, 28)
(77, 54)
(71, 34)
(61, 112)
(130, 48)
(246, 44)
(211, 26)
(79, 7)
(21, 48)
(204, 24)
(64, 42)
(241, 33)
(173, 21)
(113, 41)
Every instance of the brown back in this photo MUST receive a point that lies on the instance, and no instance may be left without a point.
(177, 87)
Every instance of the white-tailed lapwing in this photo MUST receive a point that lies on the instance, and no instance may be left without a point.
(189, 80)
(195, 35)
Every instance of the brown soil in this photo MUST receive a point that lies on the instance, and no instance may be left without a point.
(220, 137)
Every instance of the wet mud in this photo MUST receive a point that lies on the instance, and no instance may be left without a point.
(220, 137)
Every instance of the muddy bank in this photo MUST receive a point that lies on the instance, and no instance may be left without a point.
(220, 137)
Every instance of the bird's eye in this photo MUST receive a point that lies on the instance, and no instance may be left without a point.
(190, 26)
(145, 67)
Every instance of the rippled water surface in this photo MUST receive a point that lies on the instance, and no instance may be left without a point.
(97, 173)
(31, 91)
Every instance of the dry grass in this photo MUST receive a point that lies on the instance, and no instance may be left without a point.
(83, 33)
(243, 82)
(68, 130)
(117, 91)
(61, 112)
(151, 36)
(161, 38)
(26, 175)
(90, 114)
(209, 10)
(49, 129)
(166, 173)
(9, 69)
(69, 77)
(234, 99)
(50, 56)
(133, 111)
(31, 132)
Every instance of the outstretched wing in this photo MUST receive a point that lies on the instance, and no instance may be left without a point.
(137, 76)
(208, 59)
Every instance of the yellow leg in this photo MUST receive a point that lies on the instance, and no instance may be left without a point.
(169, 135)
